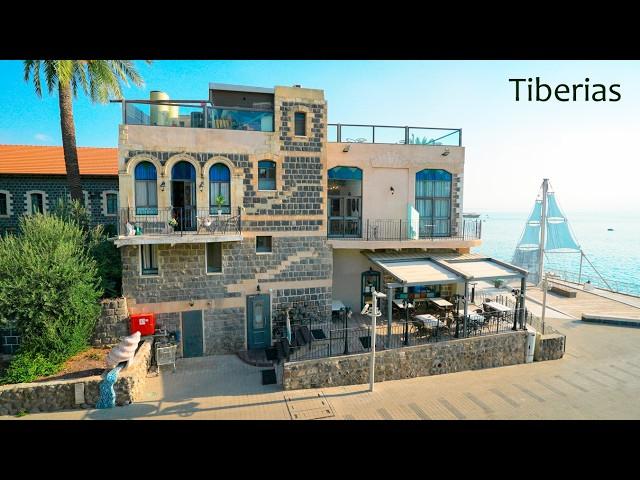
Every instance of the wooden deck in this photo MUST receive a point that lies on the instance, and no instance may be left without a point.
(587, 302)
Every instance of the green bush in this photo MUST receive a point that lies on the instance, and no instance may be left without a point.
(27, 366)
(49, 286)
(103, 251)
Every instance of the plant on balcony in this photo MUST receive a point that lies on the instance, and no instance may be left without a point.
(219, 202)
(173, 223)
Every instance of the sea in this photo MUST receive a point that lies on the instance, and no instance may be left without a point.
(614, 254)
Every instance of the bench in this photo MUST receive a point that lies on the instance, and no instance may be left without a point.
(610, 319)
(564, 291)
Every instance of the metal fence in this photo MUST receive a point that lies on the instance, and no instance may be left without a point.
(530, 319)
(332, 339)
(393, 134)
(400, 230)
(176, 221)
(579, 278)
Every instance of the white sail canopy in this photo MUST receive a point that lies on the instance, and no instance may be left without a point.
(559, 237)
(530, 237)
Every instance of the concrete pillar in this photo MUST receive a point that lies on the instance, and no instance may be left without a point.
(523, 291)
(390, 291)
(466, 308)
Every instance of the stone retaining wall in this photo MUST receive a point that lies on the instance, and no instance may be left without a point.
(549, 347)
(423, 360)
(77, 393)
(113, 323)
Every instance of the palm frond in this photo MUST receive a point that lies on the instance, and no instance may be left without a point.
(32, 67)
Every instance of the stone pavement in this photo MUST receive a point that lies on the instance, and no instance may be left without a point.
(599, 378)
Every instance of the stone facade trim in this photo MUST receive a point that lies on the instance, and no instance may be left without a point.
(9, 204)
(45, 201)
(104, 203)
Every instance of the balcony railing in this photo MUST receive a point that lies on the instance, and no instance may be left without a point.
(339, 132)
(176, 221)
(400, 230)
(195, 114)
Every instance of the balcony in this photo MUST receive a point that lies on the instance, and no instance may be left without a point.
(354, 233)
(172, 225)
(195, 114)
(394, 135)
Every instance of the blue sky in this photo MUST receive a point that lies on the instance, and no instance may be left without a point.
(587, 149)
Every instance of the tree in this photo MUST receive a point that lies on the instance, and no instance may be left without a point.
(99, 79)
(50, 290)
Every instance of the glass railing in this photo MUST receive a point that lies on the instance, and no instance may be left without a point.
(240, 119)
(195, 114)
(337, 132)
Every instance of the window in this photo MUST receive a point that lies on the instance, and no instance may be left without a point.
(146, 190)
(263, 244)
(37, 203)
(300, 124)
(266, 175)
(4, 204)
(345, 201)
(112, 203)
(149, 259)
(214, 257)
(433, 202)
(219, 184)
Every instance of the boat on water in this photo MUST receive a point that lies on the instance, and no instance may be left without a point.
(609, 229)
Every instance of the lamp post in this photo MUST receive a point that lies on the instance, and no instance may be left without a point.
(347, 315)
(374, 313)
(516, 293)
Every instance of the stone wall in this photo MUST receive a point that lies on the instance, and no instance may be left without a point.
(182, 278)
(549, 347)
(62, 395)
(113, 323)
(55, 187)
(423, 360)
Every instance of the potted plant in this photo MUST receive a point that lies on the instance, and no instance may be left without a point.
(173, 223)
(219, 202)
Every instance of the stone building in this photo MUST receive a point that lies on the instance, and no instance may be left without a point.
(242, 205)
(33, 178)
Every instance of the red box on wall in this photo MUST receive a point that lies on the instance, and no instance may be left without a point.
(145, 323)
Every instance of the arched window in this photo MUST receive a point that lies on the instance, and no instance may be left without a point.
(266, 175)
(183, 195)
(433, 202)
(219, 185)
(345, 201)
(146, 189)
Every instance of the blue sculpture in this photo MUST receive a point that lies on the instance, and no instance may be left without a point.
(107, 393)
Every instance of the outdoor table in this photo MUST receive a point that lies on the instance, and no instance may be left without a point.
(400, 304)
(441, 302)
(477, 317)
(429, 320)
(336, 305)
(498, 307)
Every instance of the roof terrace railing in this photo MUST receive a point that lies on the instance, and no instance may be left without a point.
(390, 134)
(195, 114)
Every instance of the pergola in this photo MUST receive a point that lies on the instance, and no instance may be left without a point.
(411, 269)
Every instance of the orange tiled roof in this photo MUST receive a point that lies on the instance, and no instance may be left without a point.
(35, 159)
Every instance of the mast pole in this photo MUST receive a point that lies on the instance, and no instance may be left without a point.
(543, 228)
(580, 272)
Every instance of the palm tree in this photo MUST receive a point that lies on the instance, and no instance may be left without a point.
(99, 79)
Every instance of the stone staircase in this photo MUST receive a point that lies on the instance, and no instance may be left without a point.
(286, 263)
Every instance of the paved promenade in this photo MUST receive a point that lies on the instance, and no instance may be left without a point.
(599, 378)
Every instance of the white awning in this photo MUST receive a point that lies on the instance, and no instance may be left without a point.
(419, 272)
(484, 269)
(415, 268)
